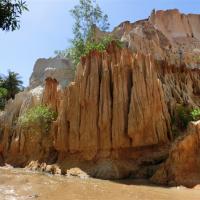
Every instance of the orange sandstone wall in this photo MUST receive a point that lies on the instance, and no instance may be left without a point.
(118, 108)
(115, 105)
(174, 24)
(183, 165)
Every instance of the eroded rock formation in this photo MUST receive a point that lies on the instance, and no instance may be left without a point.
(19, 146)
(56, 68)
(180, 26)
(115, 119)
(166, 35)
(183, 165)
(112, 103)
(118, 108)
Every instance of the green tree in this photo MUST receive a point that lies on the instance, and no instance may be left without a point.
(87, 16)
(10, 11)
(12, 84)
(3, 95)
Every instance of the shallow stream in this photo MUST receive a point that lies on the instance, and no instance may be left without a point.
(19, 184)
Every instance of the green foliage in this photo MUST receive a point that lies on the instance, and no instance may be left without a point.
(38, 117)
(3, 92)
(88, 16)
(10, 11)
(12, 84)
(101, 45)
(182, 118)
(82, 49)
(76, 51)
(195, 114)
(3, 95)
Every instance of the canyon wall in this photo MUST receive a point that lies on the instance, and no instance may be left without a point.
(183, 165)
(180, 26)
(19, 145)
(166, 35)
(116, 118)
(109, 107)
(58, 68)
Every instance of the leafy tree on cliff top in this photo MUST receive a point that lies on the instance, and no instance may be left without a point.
(10, 11)
(87, 16)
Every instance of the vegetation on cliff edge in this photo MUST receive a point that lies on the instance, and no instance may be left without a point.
(88, 18)
(38, 117)
(182, 117)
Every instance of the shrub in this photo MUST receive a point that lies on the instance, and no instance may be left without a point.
(183, 116)
(101, 45)
(195, 114)
(38, 117)
(82, 48)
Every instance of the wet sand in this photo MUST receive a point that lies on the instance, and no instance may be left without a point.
(19, 184)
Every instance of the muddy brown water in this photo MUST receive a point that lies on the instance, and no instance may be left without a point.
(19, 184)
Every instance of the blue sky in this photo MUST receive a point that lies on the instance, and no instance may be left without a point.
(47, 27)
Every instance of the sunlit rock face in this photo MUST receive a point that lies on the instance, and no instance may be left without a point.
(180, 26)
(118, 110)
(115, 118)
(107, 111)
(113, 100)
(166, 35)
(56, 68)
(17, 145)
(183, 165)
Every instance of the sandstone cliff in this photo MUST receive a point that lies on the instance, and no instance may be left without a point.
(57, 68)
(115, 119)
(18, 145)
(183, 165)
(180, 26)
(111, 105)
(168, 35)
(115, 114)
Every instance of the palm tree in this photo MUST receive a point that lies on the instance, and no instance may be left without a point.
(3, 92)
(12, 84)
(3, 95)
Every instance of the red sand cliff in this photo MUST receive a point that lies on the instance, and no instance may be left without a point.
(115, 119)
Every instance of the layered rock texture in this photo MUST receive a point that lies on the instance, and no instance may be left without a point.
(115, 119)
(19, 145)
(56, 68)
(109, 107)
(183, 165)
(167, 35)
